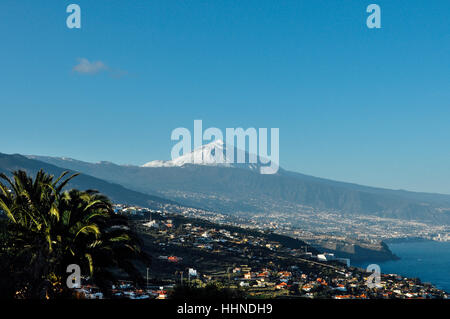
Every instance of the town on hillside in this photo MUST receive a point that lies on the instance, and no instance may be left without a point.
(196, 253)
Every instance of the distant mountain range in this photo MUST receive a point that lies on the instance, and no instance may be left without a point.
(117, 193)
(240, 188)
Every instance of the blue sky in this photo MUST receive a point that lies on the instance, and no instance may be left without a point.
(352, 103)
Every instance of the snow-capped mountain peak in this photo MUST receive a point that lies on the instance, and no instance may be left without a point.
(212, 154)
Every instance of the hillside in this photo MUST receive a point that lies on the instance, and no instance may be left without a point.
(120, 194)
(115, 192)
(247, 191)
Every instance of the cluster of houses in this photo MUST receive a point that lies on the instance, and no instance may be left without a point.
(350, 285)
(307, 274)
(121, 290)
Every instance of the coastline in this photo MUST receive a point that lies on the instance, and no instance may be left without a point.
(407, 240)
(357, 253)
(420, 258)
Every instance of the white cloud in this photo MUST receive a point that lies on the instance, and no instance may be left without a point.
(84, 66)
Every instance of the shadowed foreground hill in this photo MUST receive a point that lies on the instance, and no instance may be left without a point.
(115, 192)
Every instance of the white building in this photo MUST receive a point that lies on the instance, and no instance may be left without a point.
(326, 257)
(152, 224)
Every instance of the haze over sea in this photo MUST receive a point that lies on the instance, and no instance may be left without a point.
(427, 260)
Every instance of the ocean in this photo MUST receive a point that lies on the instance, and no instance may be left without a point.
(427, 260)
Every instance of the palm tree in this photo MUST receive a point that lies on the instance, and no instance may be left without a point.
(50, 229)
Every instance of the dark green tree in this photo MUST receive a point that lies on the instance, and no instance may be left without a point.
(49, 229)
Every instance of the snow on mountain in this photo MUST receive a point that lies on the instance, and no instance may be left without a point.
(212, 154)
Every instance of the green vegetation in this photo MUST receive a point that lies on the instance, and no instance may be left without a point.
(45, 229)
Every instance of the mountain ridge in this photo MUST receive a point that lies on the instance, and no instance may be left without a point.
(234, 189)
(117, 193)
